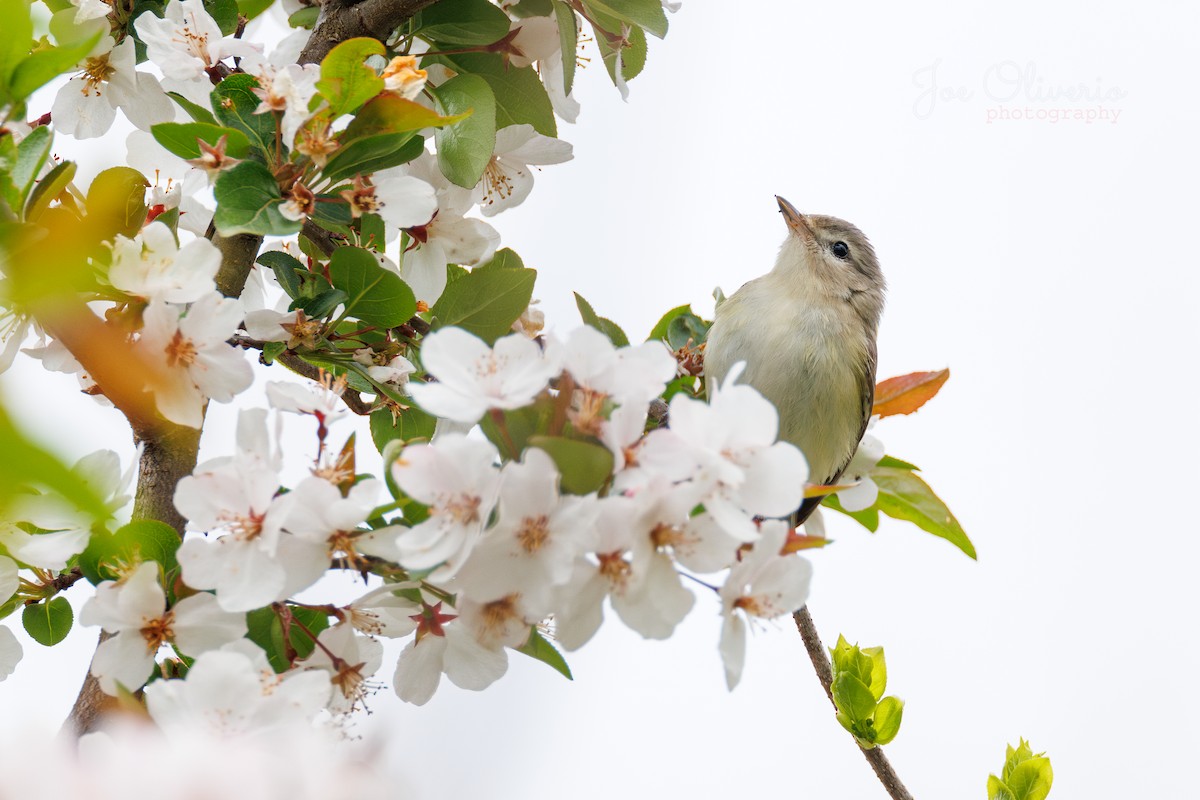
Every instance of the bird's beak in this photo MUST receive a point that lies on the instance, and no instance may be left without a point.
(794, 219)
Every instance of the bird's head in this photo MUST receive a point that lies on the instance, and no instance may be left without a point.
(831, 251)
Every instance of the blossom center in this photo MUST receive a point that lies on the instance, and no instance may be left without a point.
(615, 568)
(96, 70)
(496, 616)
(243, 527)
(665, 535)
(156, 631)
(463, 508)
(534, 533)
(497, 184)
(181, 351)
(196, 43)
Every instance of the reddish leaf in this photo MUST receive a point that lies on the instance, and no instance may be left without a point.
(802, 541)
(906, 393)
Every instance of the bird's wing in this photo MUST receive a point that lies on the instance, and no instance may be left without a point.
(867, 394)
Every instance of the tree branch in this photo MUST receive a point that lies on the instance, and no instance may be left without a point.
(820, 661)
(346, 19)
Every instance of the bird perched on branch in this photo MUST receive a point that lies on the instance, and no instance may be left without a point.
(806, 331)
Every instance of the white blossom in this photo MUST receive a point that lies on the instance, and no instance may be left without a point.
(357, 657)
(746, 472)
(507, 179)
(153, 266)
(443, 645)
(764, 585)
(134, 609)
(472, 377)
(197, 364)
(865, 491)
(10, 652)
(186, 41)
(255, 562)
(86, 106)
(457, 478)
(536, 539)
(234, 692)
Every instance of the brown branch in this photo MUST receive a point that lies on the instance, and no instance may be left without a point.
(820, 661)
(345, 19)
(350, 397)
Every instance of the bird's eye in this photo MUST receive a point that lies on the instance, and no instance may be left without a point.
(840, 249)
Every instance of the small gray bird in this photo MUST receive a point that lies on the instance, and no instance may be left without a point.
(806, 331)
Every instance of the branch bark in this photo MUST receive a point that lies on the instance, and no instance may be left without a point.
(824, 669)
(346, 19)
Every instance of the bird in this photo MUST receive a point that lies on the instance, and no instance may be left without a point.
(807, 334)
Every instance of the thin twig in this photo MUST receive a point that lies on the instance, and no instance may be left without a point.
(820, 661)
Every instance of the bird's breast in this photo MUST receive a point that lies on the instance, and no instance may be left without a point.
(809, 360)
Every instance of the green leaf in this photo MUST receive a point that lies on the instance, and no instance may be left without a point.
(32, 153)
(196, 112)
(878, 682)
(686, 329)
(568, 36)
(521, 424)
(305, 17)
(606, 326)
(321, 305)
(903, 495)
(853, 698)
(465, 148)
(505, 258)
(888, 461)
(463, 22)
(486, 302)
(520, 96)
(183, 138)
(234, 105)
(540, 648)
(49, 622)
(16, 36)
(633, 54)
(136, 543)
(371, 154)
(287, 270)
(391, 113)
(411, 423)
(1031, 780)
(531, 8)
(266, 631)
(43, 66)
(224, 13)
(647, 14)
(868, 517)
(584, 466)
(372, 232)
(997, 790)
(249, 200)
(346, 82)
(252, 8)
(1025, 776)
(48, 188)
(659, 332)
(116, 201)
(376, 296)
(887, 719)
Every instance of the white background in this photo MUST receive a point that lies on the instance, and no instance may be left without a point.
(1051, 266)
